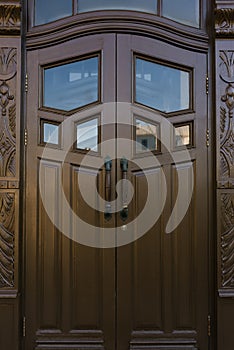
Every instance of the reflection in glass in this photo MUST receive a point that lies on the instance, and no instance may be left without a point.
(182, 135)
(48, 11)
(137, 5)
(161, 87)
(184, 11)
(146, 136)
(50, 133)
(71, 85)
(87, 135)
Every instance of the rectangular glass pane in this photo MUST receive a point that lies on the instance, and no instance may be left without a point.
(161, 87)
(137, 5)
(71, 85)
(146, 136)
(184, 11)
(48, 11)
(182, 135)
(50, 133)
(87, 135)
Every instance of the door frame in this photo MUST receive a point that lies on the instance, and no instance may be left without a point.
(210, 201)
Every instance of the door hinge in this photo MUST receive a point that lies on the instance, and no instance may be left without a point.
(26, 82)
(24, 327)
(25, 137)
(207, 138)
(209, 326)
(207, 84)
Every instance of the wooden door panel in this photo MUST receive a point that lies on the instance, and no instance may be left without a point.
(162, 295)
(160, 304)
(147, 284)
(183, 258)
(70, 287)
(71, 278)
(49, 259)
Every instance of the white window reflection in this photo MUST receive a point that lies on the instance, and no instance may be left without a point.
(182, 135)
(50, 133)
(146, 136)
(71, 85)
(161, 87)
(87, 135)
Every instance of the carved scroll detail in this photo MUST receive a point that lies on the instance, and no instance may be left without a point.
(226, 169)
(8, 69)
(7, 232)
(227, 240)
(10, 18)
(224, 22)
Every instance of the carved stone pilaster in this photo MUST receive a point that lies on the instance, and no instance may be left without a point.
(227, 240)
(226, 123)
(224, 27)
(7, 238)
(8, 70)
(224, 22)
(8, 173)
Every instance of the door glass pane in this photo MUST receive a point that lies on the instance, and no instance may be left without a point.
(137, 5)
(87, 135)
(161, 87)
(71, 85)
(146, 136)
(48, 11)
(184, 11)
(183, 135)
(50, 133)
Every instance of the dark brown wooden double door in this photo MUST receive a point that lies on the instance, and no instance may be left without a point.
(141, 291)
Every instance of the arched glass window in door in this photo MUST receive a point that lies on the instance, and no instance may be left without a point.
(137, 5)
(183, 11)
(49, 11)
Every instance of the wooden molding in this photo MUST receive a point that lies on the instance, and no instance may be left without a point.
(226, 293)
(224, 22)
(10, 18)
(108, 21)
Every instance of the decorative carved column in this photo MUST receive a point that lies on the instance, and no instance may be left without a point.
(225, 147)
(10, 13)
(224, 27)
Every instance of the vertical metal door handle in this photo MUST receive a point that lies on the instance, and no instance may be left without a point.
(124, 168)
(108, 166)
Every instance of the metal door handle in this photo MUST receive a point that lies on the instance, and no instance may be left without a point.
(124, 168)
(108, 165)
